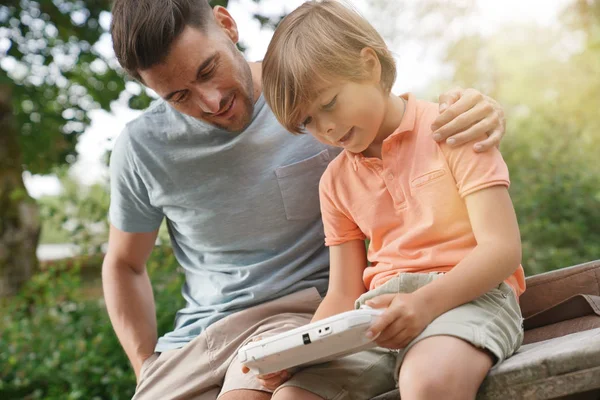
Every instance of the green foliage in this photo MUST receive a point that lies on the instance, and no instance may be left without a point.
(78, 212)
(56, 73)
(548, 80)
(57, 343)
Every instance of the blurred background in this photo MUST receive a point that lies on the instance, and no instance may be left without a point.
(63, 101)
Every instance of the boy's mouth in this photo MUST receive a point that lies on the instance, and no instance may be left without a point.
(344, 139)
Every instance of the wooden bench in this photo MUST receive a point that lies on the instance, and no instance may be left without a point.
(561, 355)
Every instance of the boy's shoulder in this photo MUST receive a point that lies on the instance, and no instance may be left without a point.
(341, 165)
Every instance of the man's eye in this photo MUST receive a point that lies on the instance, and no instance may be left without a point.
(208, 73)
(330, 105)
(307, 121)
(180, 99)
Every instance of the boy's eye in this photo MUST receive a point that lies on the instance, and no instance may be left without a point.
(330, 104)
(307, 121)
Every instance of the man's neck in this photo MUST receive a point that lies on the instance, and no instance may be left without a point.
(256, 70)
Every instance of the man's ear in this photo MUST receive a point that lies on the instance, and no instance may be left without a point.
(371, 65)
(226, 22)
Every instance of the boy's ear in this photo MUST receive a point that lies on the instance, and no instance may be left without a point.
(371, 64)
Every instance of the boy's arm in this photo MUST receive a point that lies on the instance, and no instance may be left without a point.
(496, 256)
(347, 263)
(466, 115)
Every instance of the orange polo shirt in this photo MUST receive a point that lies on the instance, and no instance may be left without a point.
(410, 203)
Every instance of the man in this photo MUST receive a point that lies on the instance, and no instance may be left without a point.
(240, 196)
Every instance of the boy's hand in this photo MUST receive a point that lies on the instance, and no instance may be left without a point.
(466, 115)
(273, 380)
(404, 319)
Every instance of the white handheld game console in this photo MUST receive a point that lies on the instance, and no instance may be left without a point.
(317, 342)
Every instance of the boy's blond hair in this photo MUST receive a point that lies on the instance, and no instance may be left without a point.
(315, 44)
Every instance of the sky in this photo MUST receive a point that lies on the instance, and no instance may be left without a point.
(417, 67)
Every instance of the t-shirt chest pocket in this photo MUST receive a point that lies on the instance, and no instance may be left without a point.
(299, 185)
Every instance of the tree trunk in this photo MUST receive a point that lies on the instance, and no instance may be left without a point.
(19, 216)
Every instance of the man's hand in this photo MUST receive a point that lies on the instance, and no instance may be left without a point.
(466, 115)
(404, 319)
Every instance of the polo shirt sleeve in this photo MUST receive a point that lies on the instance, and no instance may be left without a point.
(130, 207)
(475, 171)
(339, 226)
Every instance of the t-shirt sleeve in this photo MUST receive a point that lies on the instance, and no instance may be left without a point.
(130, 206)
(475, 171)
(339, 227)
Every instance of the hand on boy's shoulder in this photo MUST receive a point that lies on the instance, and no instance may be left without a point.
(466, 115)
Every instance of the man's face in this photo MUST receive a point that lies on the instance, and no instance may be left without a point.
(205, 77)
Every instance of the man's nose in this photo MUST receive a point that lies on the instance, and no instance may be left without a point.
(209, 99)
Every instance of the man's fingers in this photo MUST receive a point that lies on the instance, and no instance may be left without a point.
(272, 375)
(449, 98)
(459, 117)
(493, 140)
(476, 131)
(464, 104)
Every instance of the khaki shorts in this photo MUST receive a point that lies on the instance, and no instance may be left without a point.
(207, 367)
(492, 321)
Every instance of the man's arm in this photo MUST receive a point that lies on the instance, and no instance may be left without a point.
(128, 293)
(466, 115)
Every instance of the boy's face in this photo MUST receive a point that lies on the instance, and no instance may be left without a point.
(347, 114)
(205, 77)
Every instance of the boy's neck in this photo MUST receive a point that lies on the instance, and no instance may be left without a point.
(392, 117)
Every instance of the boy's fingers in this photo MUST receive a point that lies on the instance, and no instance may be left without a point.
(380, 324)
(245, 369)
(393, 330)
(380, 301)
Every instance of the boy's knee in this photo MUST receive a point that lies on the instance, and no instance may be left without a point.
(419, 381)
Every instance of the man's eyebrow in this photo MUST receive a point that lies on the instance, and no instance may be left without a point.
(198, 73)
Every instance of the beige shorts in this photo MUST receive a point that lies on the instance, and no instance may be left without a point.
(207, 367)
(492, 321)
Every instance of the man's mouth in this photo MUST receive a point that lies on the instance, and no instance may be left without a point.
(227, 108)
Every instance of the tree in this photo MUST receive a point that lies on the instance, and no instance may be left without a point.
(56, 74)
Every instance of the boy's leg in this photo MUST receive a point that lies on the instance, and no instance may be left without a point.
(443, 367)
(359, 376)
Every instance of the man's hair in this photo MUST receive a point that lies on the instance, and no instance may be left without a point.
(318, 42)
(144, 30)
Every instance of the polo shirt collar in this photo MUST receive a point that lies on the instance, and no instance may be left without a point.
(408, 123)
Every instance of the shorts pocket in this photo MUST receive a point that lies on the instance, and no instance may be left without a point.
(146, 364)
(299, 185)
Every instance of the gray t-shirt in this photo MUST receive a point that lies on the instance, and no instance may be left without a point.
(242, 209)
